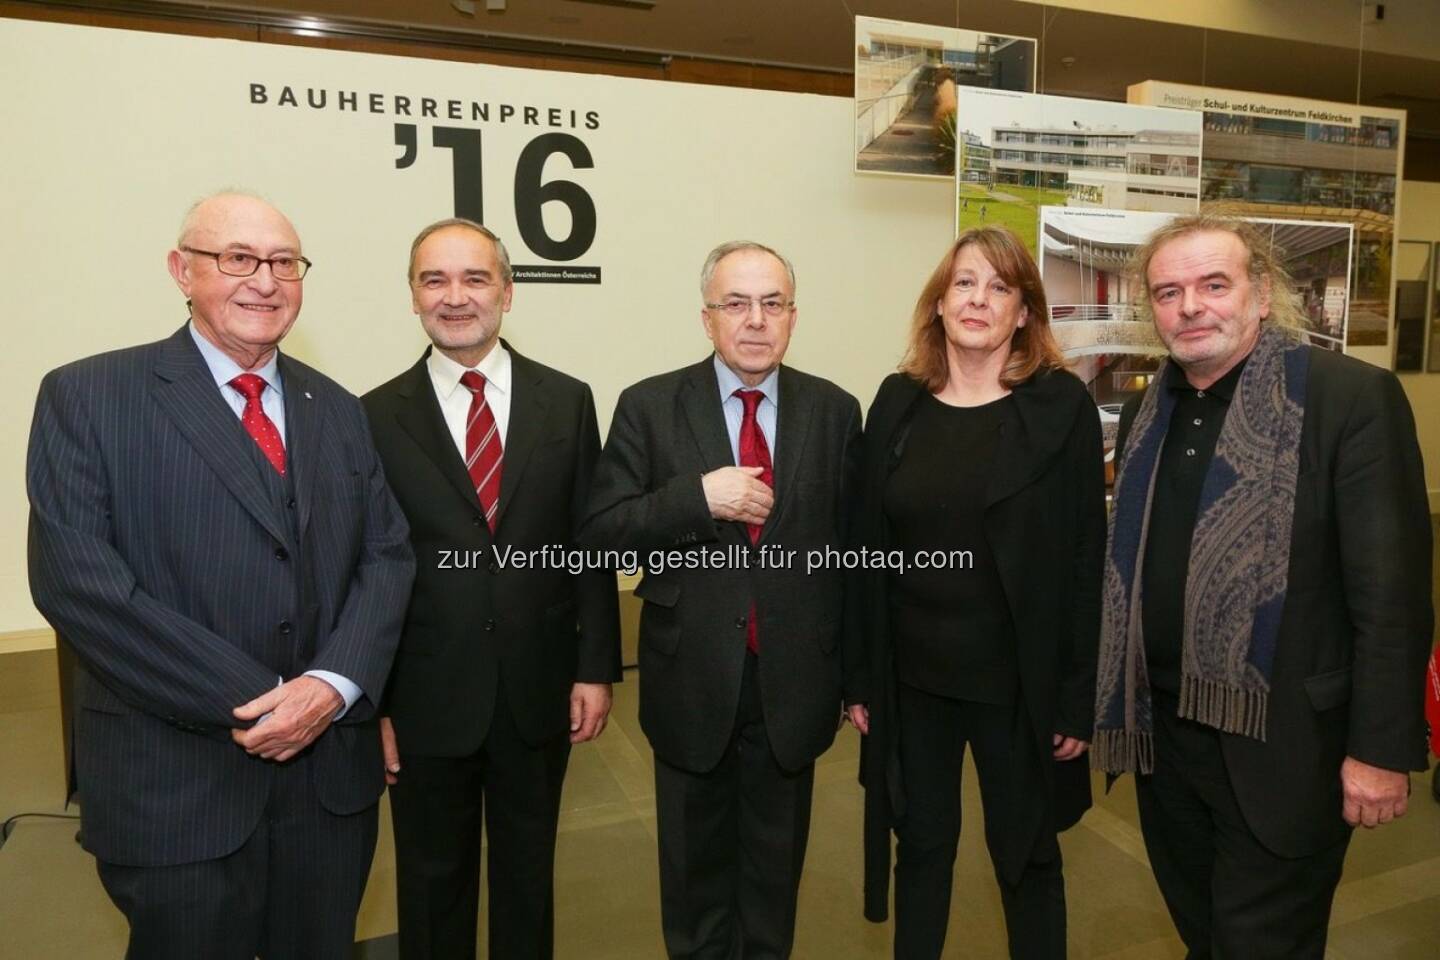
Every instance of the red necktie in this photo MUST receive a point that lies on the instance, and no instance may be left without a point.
(482, 446)
(257, 423)
(754, 452)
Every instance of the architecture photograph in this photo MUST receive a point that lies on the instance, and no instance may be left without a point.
(906, 76)
(1020, 152)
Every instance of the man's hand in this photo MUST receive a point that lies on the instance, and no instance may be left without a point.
(1068, 748)
(736, 493)
(1373, 795)
(589, 706)
(388, 748)
(299, 711)
(859, 715)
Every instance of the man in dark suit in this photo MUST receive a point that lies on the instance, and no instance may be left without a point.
(211, 531)
(1267, 600)
(729, 473)
(503, 663)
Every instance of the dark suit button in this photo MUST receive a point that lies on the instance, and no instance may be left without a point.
(476, 520)
(290, 503)
(739, 623)
(494, 567)
(489, 625)
(285, 627)
(281, 554)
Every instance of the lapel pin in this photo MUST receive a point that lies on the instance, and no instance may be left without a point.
(307, 395)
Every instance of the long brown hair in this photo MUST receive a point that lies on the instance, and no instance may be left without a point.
(1032, 347)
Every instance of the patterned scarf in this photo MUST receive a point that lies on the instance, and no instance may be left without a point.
(1239, 560)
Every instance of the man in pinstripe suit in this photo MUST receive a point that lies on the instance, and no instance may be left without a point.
(211, 530)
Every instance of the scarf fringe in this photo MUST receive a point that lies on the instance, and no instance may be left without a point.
(1224, 707)
(1122, 751)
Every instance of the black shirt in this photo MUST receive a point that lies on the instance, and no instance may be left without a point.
(952, 631)
(1185, 458)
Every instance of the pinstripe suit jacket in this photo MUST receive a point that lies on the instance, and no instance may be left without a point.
(158, 551)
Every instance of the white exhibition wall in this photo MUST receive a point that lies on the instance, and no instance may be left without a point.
(111, 135)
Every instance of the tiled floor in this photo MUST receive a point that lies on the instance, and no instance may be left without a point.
(51, 904)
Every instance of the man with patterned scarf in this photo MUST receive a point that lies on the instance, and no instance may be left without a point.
(1267, 612)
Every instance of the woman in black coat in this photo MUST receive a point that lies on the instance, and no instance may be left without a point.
(982, 473)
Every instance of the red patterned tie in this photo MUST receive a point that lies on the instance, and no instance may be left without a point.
(754, 452)
(482, 446)
(257, 423)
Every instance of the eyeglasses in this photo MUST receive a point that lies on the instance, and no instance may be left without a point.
(235, 263)
(741, 306)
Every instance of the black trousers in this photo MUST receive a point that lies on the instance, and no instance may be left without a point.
(290, 892)
(732, 845)
(1230, 897)
(438, 808)
(934, 732)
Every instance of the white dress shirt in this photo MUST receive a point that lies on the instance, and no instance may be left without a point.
(766, 413)
(454, 397)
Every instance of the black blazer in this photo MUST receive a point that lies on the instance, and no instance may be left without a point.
(1045, 523)
(159, 550)
(1355, 634)
(473, 618)
(667, 431)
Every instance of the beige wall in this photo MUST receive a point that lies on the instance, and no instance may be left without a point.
(108, 157)
(1420, 220)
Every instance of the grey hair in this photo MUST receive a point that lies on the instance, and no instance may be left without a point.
(1263, 262)
(707, 272)
(500, 251)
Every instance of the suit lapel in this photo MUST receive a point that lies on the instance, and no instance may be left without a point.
(419, 416)
(1014, 461)
(701, 403)
(528, 406)
(1027, 447)
(187, 393)
(793, 423)
(889, 425)
(302, 434)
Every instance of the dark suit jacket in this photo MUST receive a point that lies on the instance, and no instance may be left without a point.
(159, 552)
(1349, 669)
(1045, 524)
(473, 624)
(667, 431)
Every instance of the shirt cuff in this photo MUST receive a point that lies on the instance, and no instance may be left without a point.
(342, 686)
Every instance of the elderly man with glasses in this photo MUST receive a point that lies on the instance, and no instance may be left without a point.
(725, 474)
(211, 531)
